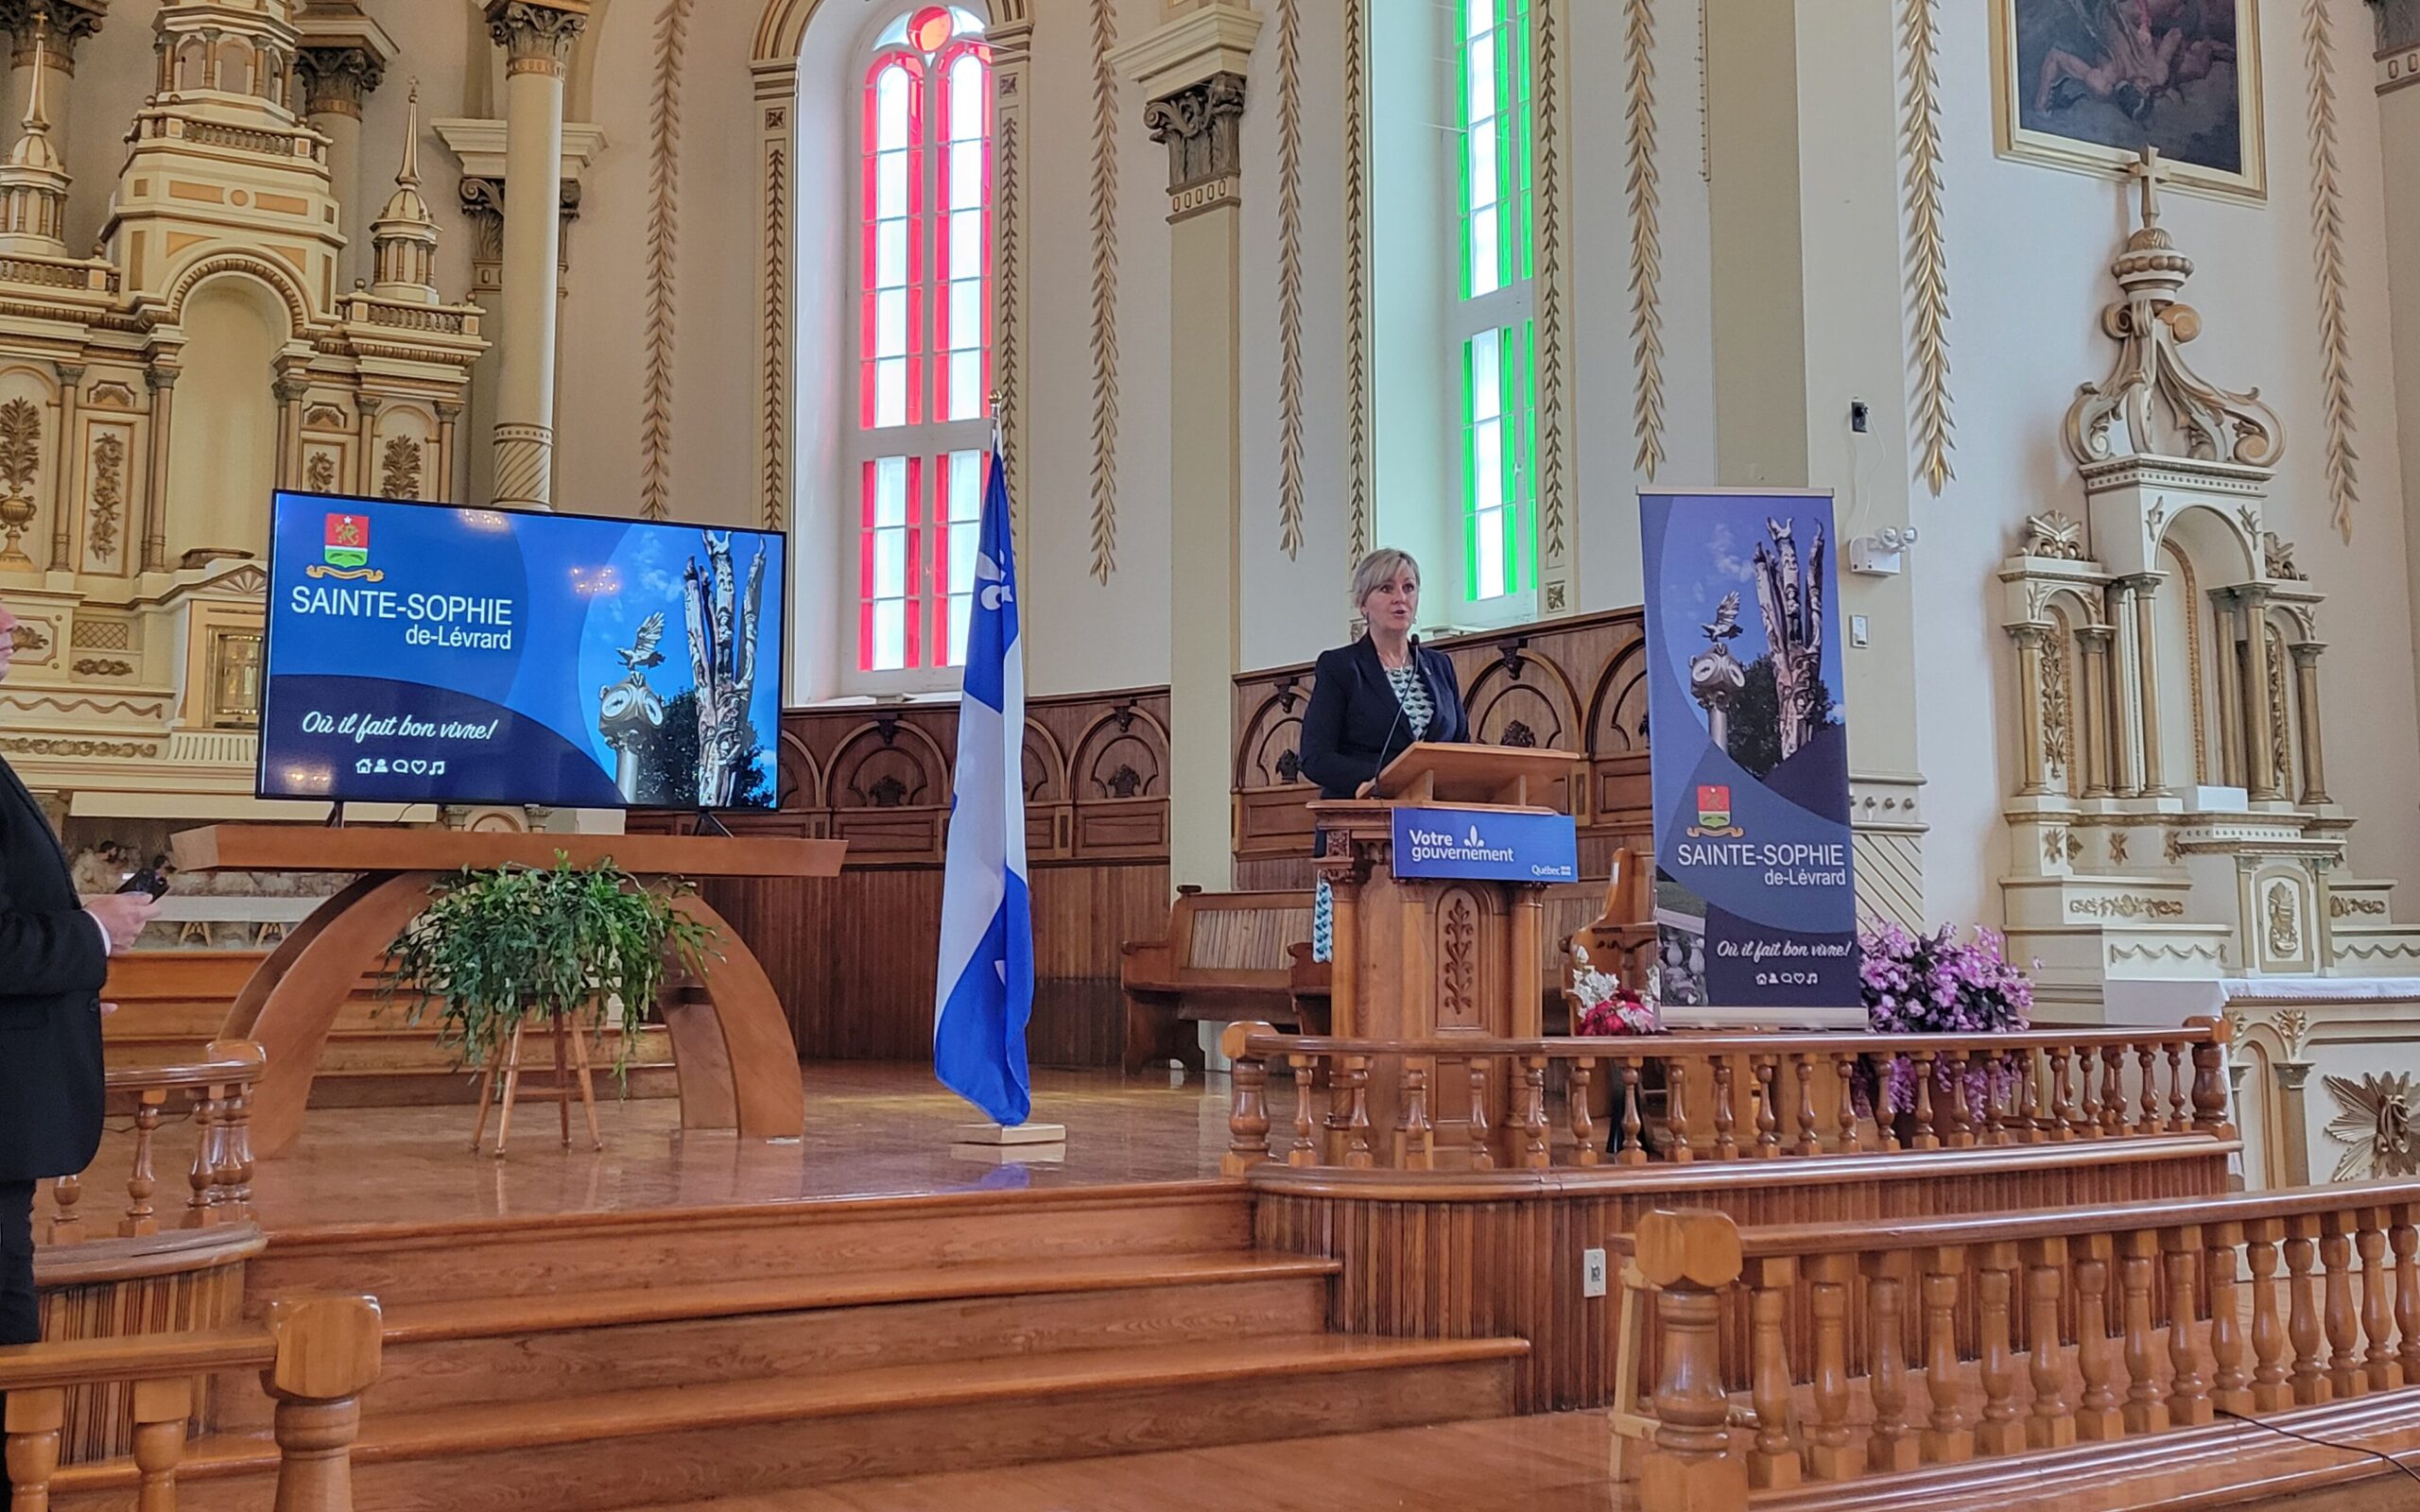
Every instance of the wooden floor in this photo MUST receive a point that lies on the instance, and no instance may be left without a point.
(872, 1129)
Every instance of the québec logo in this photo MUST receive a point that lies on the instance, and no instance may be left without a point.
(1714, 814)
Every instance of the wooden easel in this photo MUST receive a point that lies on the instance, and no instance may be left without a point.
(571, 1080)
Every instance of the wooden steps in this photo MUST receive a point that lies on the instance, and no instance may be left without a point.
(591, 1361)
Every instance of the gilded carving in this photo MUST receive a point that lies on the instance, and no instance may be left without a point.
(1356, 273)
(399, 469)
(1104, 291)
(2280, 742)
(1646, 241)
(2283, 922)
(2373, 1124)
(1928, 248)
(107, 493)
(2277, 559)
(2053, 537)
(48, 745)
(774, 424)
(1289, 278)
(2340, 905)
(2172, 847)
(102, 667)
(321, 472)
(2127, 906)
(2118, 848)
(19, 460)
(2293, 1030)
(1200, 126)
(663, 227)
(2056, 712)
(2328, 245)
(2166, 408)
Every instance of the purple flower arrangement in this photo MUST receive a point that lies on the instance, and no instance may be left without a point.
(1936, 984)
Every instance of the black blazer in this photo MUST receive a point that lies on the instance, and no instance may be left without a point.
(1354, 725)
(51, 963)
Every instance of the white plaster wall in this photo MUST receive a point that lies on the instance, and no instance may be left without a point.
(2030, 249)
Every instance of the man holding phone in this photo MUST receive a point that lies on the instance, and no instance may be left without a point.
(54, 954)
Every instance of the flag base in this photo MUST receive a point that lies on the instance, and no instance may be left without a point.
(1001, 1135)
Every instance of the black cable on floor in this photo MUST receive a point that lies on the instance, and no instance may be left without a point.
(2321, 1443)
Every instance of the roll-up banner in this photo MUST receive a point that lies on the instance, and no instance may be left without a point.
(1755, 898)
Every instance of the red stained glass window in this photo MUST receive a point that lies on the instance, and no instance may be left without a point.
(923, 334)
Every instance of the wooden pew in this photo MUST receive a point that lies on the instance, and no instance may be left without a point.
(1224, 958)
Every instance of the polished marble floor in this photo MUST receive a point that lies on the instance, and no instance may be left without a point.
(872, 1129)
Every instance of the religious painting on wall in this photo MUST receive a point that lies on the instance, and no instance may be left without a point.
(2088, 84)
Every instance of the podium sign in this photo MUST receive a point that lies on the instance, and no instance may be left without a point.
(1488, 845)
(1756, 901)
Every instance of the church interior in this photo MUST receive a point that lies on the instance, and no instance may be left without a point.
(2086, 327)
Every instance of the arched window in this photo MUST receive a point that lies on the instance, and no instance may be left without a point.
(924, 314)
(1453, 239)
(1492, 318)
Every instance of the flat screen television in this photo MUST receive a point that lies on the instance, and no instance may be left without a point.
(427, 653)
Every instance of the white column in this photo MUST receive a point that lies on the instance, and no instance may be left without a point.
(537, 36)
(1192, 71)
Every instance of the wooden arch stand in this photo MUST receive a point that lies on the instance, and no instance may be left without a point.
(733, 1054)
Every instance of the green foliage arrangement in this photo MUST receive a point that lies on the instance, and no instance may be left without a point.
(497, 947)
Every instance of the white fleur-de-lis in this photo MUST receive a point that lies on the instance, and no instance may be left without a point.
(998, 593)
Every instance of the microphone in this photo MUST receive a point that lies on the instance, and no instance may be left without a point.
(1385, 741)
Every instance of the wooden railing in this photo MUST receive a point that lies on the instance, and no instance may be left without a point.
(219, 1091)
(1712, 1096)
(1884, 1346)
(316, 1355)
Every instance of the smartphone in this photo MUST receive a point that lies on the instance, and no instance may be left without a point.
(145, 880)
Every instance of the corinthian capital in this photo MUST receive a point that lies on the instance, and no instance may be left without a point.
(1200, 124)
(536, 35)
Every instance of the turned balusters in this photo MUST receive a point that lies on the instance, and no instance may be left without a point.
(1959, 1130)
(1768, 1118)
(2269, 1389)
(1691, 1257)
(1676, 1108)
(2188, 1384)
(2378, 1360)
(1949, 1437)
(2230, 1387)
(1829, 1454)
(1809, 1143)
(2001, 1432)
(1926, 1138)
(2065, 1115)
(1726, 1122)
(1634, 1151)
(1851, 1138)
(1305, 1148)
(2147, 1058)
(1415, 1138)
(1892, 1445)
(2302, 1317)
(2179, 1120)
(141, 1181)
(2146, 1410)
(1535, 1152)
(2112, 1090)
(2343, 1329)
(2088, 1121)
(1583, 1120)
(1773, 1459)
(2405, 1239)
(208, 1140)
(2052, 1424)
(1247, 1113)
(1358, 1153)
(2096, 1413)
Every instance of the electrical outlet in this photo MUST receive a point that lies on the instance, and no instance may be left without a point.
(1592, 1273)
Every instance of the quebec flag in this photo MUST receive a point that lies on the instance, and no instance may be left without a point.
(985, 988)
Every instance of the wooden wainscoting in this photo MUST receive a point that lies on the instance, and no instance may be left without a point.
(1576, 684)
(854, 956)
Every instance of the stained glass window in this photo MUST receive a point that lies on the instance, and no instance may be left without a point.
(1496, 233)
(923, 334)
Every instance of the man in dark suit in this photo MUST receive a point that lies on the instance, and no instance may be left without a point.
(54, 953)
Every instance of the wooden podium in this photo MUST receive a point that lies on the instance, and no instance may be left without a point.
(732, 1053)
(1428, 960)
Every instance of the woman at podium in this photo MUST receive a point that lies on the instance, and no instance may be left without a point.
(1374, 697)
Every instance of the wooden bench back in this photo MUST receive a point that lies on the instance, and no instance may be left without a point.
(1227, 931)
